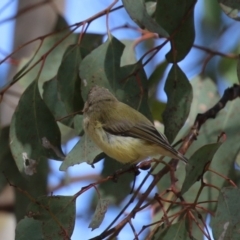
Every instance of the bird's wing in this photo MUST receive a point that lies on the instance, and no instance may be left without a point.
(145, 132)
(129, 125)
(140, 130)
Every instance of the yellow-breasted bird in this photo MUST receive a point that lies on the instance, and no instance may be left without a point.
(122, 132)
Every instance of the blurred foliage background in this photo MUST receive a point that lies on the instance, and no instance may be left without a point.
(169, 60)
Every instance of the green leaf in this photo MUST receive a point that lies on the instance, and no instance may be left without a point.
(157, 109)
(54, 103)
(231, 8)
(78, 124)
(27, 228)
(156, 77)
(137, 11)
(56, 214)
(227, 120)
(110, 189)
(205, 95)
(68, 81)
(179, 93)
(157, 73)
(212, 18)
(6, 159)
(175, 231)
(227, 69)
(84, 151)
(61, 23)
(135, 90)
(35, 186)
(128, 56)
(151, 7)
(53, 60)
(10, 171)
(89, 42)
(99, 213)
(226, 223)
(25, 66)
(197, 163)
(195, 230)
(34, 134)
(181, 25)
(102, 66)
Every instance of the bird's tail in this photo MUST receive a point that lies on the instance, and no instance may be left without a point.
(182, 157)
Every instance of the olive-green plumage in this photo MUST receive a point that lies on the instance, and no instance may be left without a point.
(122, 132)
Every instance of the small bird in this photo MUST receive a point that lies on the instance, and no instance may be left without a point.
(122, 132)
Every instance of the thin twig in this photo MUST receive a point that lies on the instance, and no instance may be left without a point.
(216, 53)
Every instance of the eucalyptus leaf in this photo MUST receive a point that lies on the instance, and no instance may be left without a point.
(68, 81)
(99, 213)
(78, 123)
(175, 231)
(34, 134)
(52, 99)
(129, 56)
(179, 93)
(226, 222)
(101, 67)
(182, 26)
(56, 215)
(137, 11)
(27, 228)
(197, 163)
(10, 173)
(156, 78)
(151, 7)
(85, 150)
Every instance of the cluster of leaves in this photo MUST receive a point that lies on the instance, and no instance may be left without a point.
(54, 98)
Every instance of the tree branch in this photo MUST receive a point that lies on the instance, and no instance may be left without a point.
(229, 95)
